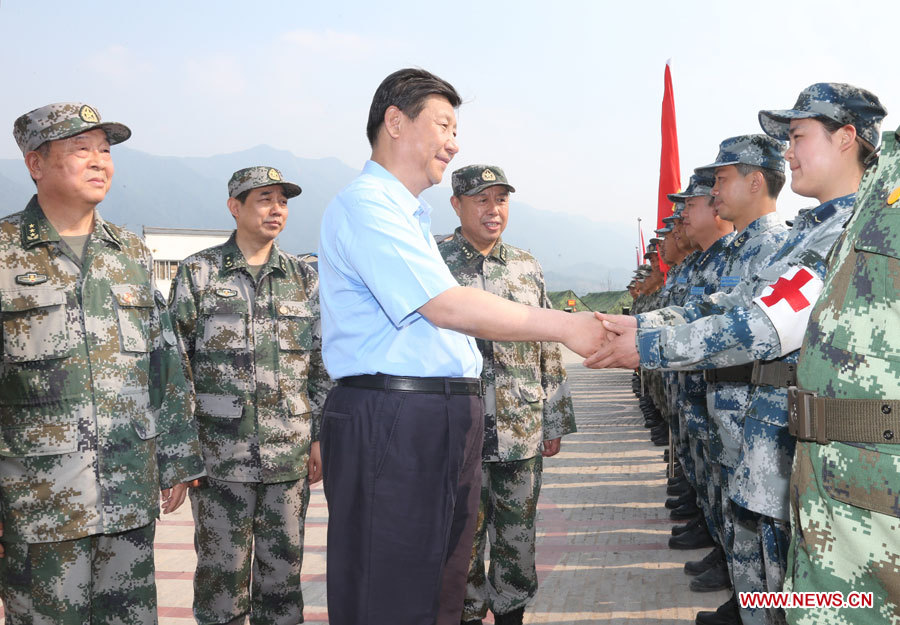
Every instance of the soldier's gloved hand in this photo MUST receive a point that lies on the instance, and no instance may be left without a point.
(172, 498)
(314, 464)
(620, 351)
(551, 448)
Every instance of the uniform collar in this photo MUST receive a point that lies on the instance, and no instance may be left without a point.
(499, 252)
(37, 229)
(233, 259)
(826, 210)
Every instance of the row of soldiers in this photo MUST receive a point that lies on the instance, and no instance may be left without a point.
(769, 356)
(110, 393)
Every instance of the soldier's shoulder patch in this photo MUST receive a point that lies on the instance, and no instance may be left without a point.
(31, 278)
(222, 292)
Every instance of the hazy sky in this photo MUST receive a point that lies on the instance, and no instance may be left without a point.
(565, 96)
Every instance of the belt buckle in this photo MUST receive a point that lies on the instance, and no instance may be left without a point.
(756, 373)
(803, 420)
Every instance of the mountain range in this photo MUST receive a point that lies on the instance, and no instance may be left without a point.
(576, 252)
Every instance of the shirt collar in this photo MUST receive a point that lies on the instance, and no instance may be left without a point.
(498, 252)
(233, 259)
(37, 229)
(399, 193)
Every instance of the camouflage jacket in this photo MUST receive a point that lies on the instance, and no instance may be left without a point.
(94, 409)
(527, 398)
(253, 351)
(726, 329)
(852, 345)
(738, 330)
(706, 271)
(750, 252)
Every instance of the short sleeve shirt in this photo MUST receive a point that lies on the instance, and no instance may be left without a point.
(378, 264)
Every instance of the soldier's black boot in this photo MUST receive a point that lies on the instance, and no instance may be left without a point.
(687, 497)
(662, 439)
(681, 529)
(712, 579)
(685, 512)
(476, 622)
(696, 538)
(510, 618)
(695, 567)
(726, 614)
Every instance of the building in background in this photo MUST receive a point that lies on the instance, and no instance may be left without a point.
(169, 246)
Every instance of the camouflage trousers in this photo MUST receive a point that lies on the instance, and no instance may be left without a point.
(241, 526)
(747, 569)
(846, 532)
(758, 548)
(105, 578)
(506, 516)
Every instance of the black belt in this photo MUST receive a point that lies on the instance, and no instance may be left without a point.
(759, 373)
(404, 384)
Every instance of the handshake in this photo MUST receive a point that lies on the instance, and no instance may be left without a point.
(605, 341)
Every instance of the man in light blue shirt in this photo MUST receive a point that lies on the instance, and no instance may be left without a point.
(401, 433)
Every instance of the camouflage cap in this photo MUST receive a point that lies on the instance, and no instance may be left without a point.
(667, 228)
(259, 176)
(759, 150)
(60, 121)
(697, 187)
(837, 101)
(473, 179)
(679, 208)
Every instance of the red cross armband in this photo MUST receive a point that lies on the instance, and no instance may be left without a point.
(788, 304)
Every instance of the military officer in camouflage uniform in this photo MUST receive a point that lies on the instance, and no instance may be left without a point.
(528, 405)
(831, 128)
(247, 318)
(94, 409)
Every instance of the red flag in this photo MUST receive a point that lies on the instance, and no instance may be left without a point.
(669, 167)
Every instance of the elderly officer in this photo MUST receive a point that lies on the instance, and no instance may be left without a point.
(247, 318)
(527, 399)
(94, 409)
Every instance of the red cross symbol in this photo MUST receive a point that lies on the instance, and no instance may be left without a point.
(789, 290)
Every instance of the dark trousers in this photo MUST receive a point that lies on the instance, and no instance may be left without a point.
(402, 480)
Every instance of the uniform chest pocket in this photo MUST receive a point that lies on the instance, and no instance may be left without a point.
(34, 324)
(295, 325)
(223, 325)
(134, 308)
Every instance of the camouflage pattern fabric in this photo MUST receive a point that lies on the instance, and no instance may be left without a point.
(509, 496)
(95, 415)
(844, 496)
(749, 253)
(42, 580)
(527, 401)
(840, 102)
(239, 522)
(253, 350)
(61, 121)
(759, 150)
(527, 398)
(747, 566)
(473, 179)
(706, 272)
(260, 176)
